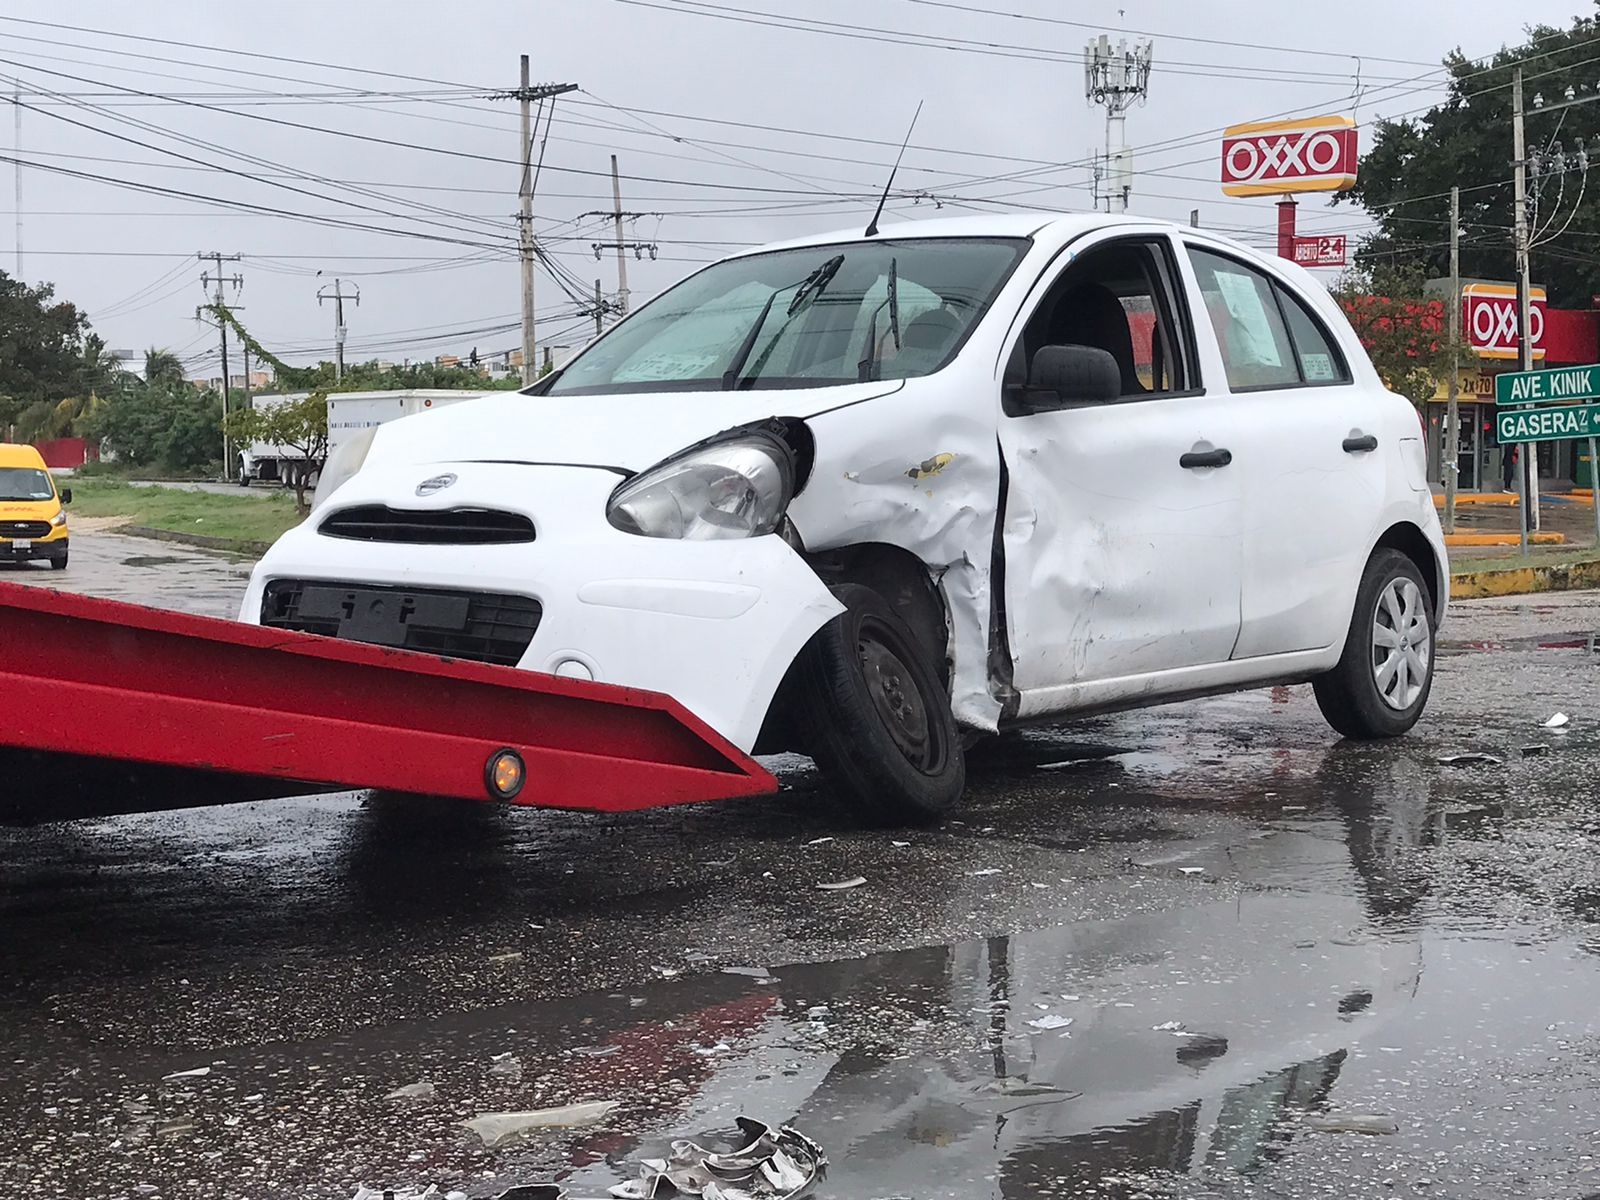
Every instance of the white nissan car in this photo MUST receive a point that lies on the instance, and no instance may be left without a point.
(871, 498)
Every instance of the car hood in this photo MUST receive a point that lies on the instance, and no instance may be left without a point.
(631, 431)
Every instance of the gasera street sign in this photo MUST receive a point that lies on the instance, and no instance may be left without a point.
(1548, 424)
(1537, 387)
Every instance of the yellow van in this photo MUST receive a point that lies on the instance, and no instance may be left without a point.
(33, 519)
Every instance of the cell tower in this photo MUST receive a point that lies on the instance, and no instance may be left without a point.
(1115, 77)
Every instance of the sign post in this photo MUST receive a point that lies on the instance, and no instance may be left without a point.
(1517, 422)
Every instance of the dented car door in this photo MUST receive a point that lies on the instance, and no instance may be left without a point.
(1122, 518)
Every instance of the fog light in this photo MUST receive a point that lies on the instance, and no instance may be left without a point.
(572, 668)
(505, 774)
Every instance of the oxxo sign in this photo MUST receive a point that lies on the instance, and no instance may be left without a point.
(1269, 158)
(1489, 314)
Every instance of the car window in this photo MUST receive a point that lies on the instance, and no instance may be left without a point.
(1255, 345)
(24, 483)
(1116, 297)
(1317, 352)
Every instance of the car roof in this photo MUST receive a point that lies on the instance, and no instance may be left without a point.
(15, 454)
(993, 225)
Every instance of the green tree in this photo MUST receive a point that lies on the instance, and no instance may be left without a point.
(163, 368)
(1401, 326)
(1408, 170)
(42, 350)
(297, 425)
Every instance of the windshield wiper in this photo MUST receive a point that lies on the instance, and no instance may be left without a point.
(808, 288)
(869, 360)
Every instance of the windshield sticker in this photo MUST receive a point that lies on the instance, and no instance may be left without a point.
(1318, 367)
(668, 366)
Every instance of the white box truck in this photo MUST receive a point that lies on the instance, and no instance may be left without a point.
(348, 412)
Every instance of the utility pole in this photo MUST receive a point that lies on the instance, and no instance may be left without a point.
(338, 296)
(1519, 237)
(207, 279)
(622, 259)
(599, 310)
(1116, 77)
(526, 94)
(1452, 421)
(16, 142)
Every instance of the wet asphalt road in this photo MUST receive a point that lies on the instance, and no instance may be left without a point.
(1259, 937)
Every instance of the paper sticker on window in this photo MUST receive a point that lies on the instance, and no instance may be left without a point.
(664, 367)
(1318, 367)
(1253, 329)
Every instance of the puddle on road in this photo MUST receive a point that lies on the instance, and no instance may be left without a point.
(153, 560)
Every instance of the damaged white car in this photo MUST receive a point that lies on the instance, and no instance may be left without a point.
(872, 498)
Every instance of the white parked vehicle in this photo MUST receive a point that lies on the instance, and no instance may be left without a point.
(872, 498)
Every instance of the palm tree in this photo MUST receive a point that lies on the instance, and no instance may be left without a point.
(163, 367)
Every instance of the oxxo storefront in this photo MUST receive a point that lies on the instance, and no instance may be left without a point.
(1569, 338)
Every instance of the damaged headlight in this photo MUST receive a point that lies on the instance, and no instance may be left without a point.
(342, 465)
(734, 487)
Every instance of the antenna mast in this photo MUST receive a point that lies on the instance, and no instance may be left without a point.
(1115, 76)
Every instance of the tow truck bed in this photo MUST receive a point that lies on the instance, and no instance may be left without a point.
(108, 707)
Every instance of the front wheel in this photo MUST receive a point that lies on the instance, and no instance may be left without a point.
(59, 562)
(874, 715)
(1381, 684)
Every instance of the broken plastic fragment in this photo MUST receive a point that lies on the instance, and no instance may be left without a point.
(842, 885)
(507, 1064)
(985, 871)
(1167, 1026)
(772, 1164)
(1193, 870)
(412, 1091)
(1557, 721)
(500, 1128)
(1048, 1022)
(821, 841)
(1468, 759)
(197, 1073)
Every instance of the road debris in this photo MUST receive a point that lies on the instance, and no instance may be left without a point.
(1533, 751)
(842, 885)
(1470, 758)
(422, 1090)
(501, 1128)
(821, 841)
(196, 1073)
(984, 871)
(1557, 721)
(1375, 1124)
(1192, 870)
(770, 1164)
(507, 1064)
(1048, 1022)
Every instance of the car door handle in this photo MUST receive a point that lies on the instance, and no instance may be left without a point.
(1205, 458)
(1360, 444)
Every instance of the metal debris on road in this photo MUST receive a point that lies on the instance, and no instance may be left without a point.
(771, 1164)
(1376, 1124)
(1471, 758)
(500, 1128)
(1557, 721)
(842, 885)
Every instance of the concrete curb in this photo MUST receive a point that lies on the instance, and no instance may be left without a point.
(1520, 581)
(232, 545)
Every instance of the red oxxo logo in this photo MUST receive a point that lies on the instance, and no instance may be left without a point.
(1315, 154)
(1489, 315)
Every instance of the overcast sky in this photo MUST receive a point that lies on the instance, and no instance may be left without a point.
(730, 131)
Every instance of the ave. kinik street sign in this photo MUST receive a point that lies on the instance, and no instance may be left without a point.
(1541, 387)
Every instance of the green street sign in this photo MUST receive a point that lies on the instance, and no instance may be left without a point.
(1536, 387)
(1548, 424)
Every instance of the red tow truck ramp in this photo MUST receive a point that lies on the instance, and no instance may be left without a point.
(108, 707)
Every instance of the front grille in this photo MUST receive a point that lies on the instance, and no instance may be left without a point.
(481, 626)
(444, 527)
(24, 529)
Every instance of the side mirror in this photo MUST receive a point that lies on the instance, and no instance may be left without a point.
(66, 495)
(1071, 376)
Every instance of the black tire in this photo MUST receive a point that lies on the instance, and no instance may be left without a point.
(1349, 695)
(59, 563)
(872, 712)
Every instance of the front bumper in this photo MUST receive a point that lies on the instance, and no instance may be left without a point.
(714, 625)
(55, 546)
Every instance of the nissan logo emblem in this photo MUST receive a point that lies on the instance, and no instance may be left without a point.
(437, 484)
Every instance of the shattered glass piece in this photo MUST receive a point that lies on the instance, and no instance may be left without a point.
(1376, 1124)
(1557, 721)
(196, 1073)
(422, 1090)
(1049, 1022)
(1469, 759)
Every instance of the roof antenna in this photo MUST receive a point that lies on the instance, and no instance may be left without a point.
(872, 226)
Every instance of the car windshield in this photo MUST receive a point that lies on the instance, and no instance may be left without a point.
(811, 317)
(25, 483)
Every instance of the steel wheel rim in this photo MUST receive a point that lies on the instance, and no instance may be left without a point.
(1402, 644)
(897, 699)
